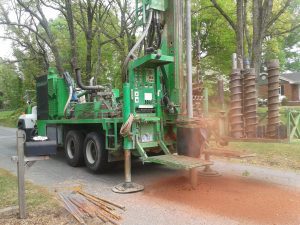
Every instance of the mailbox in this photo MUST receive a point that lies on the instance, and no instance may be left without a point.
(40, 148)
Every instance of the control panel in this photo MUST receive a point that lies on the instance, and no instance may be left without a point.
(144, 93)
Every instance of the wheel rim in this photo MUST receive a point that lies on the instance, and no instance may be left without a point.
(91, 152)
(71, 149)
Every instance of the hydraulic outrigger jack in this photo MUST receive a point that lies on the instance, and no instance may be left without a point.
(128, 186)
(208, 171)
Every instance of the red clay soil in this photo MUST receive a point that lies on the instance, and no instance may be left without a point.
(241, 199)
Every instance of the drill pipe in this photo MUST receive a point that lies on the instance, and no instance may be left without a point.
(236, 116)
(273, 98)
(221, 92)
(250, 104)
(189, 58)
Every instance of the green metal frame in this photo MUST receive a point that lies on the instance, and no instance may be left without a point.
(105, 124)
(142, 6)
(167, 77)
(151, 61)
(108, 126)
(293, 125)
(58, 94)
(139, 71)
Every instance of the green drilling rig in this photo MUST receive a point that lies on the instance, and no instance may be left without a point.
(151, 119)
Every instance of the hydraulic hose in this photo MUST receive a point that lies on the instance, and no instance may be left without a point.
(92, 81)
(69, 82)
(126, 127)
(69, 99)
(137, 44)
(84, 87)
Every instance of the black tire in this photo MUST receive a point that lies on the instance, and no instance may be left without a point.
(74, 148)
(95, 155)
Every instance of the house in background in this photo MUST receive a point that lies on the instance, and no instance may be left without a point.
(289, 87)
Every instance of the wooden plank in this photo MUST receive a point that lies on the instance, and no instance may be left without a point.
(257, 140)
(227, 153)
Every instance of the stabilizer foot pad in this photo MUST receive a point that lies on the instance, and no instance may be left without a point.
(208, 172)
(127, 187)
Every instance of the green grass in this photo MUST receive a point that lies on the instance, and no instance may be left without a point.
(36, 196)
(5, 114)
(271, 154)
(10, 118)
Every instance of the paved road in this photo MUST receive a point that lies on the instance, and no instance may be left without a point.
(57, 175)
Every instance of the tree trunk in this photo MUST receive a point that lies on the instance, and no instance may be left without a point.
(261, 15)
(89, 40)
(73, 42)
(256, 56)
(246, 32)
(240, 34)
(55, 51)
(88, 63)
(99, 54)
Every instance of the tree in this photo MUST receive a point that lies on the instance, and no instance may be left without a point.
(66, 9)
(10, 86)
(30, 16)
(291, 46)
(216, 40)
(38, 14)
(264, 17)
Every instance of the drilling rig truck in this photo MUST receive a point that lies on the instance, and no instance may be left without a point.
(97, 125)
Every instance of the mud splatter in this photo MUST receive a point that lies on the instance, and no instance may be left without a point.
(242, 199)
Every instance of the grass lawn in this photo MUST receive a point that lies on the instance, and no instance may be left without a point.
(42, 207)
(272, 154)
(9, 118)
(279, 155)
(35, 196)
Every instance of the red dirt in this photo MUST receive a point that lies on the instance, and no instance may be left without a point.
(241, 199)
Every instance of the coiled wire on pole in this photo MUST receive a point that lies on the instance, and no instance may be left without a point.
(126, 127)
